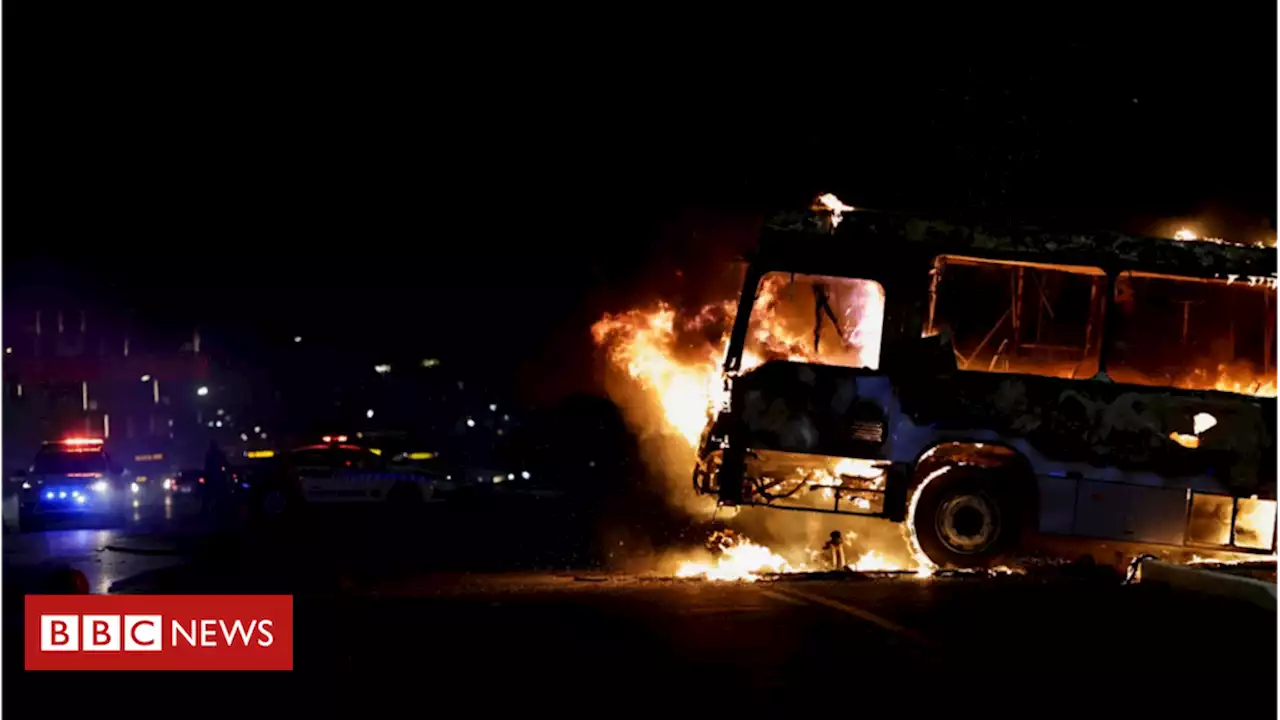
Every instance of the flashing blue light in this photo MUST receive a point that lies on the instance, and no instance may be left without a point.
(244, 485)
(49, 495)
(62, 495)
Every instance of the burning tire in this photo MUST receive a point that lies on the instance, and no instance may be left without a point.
(966, 518)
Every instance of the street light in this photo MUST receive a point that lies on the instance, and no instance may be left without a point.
(145, 378)
(202, 391)
(368, 413)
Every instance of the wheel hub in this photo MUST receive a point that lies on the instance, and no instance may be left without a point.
(968, 523)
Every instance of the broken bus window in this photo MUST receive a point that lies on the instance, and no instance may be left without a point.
(1194, 334)
(1029, 318)
(817, 319)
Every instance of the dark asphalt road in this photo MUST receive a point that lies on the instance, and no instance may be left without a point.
(786, 634)
(429, 637)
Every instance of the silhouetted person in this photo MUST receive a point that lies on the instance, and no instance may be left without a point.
(822, 306)
(835, 549)
(215, 478)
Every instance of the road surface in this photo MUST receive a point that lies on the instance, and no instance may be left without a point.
(600, 643)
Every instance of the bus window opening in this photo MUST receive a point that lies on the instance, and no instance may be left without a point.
(1027, 318)
(816, 319)
(1194, 334)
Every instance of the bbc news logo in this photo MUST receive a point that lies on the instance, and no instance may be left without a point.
(159, 632)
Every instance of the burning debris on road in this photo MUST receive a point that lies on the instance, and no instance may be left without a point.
(740, 559)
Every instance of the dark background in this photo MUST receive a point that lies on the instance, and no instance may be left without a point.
(491, 187)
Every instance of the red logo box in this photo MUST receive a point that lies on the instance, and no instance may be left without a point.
(159, 632)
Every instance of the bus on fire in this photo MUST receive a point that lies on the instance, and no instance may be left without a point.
(994, 388)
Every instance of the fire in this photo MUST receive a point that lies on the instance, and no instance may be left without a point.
(1188, 235)
(670, 354)
(1245, 560)
(644, 343)
(829, 201)
(925, 565)
(1203, 421)
(873, 561)
(740, 561)
(677, 357)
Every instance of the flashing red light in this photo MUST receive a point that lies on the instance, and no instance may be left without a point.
(334, 438)
(201, 481)
(82, 441)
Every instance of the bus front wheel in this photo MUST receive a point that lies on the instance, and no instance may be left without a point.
(966, 518)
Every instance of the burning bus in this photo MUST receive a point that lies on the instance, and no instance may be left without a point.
(992, 387)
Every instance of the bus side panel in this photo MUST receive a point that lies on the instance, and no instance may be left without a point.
(1103, 424)
(1131, 512)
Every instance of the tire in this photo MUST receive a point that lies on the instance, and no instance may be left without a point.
(967, 518)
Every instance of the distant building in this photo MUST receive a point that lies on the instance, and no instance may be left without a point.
(78, 371)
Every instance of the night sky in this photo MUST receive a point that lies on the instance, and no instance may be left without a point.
(350, 180)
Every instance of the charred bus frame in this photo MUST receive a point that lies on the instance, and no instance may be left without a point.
(978, 459)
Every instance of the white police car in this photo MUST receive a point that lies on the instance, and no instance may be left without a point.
(339, 472)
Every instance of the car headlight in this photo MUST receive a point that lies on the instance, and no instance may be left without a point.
(100, 486)
(168, 483)
(26, 486)
(133, 488)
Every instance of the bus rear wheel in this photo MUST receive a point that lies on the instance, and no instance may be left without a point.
(966, 518)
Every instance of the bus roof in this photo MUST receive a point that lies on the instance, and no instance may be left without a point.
(862, 240)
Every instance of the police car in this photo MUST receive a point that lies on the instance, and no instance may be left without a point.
(74, 477)
(336, 471)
